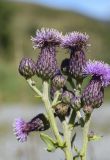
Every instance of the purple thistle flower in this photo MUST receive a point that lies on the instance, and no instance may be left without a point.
(98, 69)
(93, 94)
(21, 129)
(46, 36)
(47, 40)
(75, 40)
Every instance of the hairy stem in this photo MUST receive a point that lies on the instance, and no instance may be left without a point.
(55, 101)
(67, 139)
(51, 117)
(32, 85)
(83, 152)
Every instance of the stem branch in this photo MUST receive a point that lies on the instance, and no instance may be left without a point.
(51, 117)
(83, 152)
(67, 139)
(55, 101)
(32, 85)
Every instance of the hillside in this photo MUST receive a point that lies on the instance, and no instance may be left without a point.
(24, 20)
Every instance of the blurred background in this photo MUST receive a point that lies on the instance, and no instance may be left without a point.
(19, 20)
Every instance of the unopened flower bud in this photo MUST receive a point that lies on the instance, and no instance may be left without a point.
(62, 110)
(76, 102)
(88, 109)
(67, 96)
(59, 81)
(27, 68)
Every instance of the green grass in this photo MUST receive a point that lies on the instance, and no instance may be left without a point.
(14, 88)
(25, 19)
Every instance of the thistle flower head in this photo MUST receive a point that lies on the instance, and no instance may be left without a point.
(20, 129)
(76, 64)
(75, 101)
(93, 95)
(62, 110)
(46, 66)
(98, 69)
(39, 123)
(27, 68)
(75, 40)
(67, 96)
(59, 81)
(45, 37)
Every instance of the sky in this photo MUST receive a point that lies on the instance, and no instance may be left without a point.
(99, 9)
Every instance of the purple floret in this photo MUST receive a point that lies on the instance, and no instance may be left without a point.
(98, 68)
(20, 130)
(46, 36)
(75, 40)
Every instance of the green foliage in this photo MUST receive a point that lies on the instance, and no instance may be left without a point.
(94, 138)
(51, 144)
(6, 12)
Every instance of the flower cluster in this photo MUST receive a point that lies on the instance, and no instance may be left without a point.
(76, 67)
(62, 91)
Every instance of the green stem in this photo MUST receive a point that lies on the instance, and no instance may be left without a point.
(51, 117)
(55, 101)
(83, 152)
(67, 139)
(32, 85)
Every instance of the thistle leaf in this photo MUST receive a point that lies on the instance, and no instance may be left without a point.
(94, 138)
(51, 144)
(76, 150)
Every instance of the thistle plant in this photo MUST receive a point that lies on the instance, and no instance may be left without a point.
(73, 107)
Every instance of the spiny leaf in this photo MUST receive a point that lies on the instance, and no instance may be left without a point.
(76, 157)
(76, 150)
(73, 139)
(94, 138)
